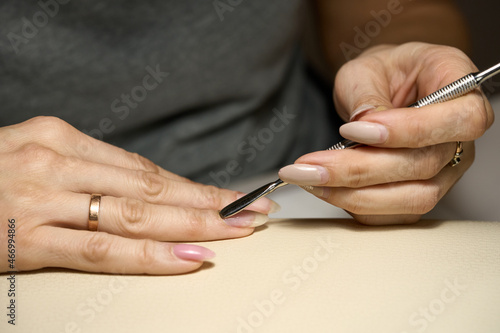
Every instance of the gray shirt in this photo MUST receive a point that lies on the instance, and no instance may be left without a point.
(212, 90)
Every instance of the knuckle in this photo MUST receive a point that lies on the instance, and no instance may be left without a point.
(69, 164)
(409, 171)
(24, 193)
(355, 175)
(423, 201)
(9, 140)
(153, 186)
(195, 225)
(36, 156)
(145, 164)
(427, 164)
(50, 126)
(212, 198)
(405, 170)
(421, 135)
(46, 121)
(95, 248)
(147, 253)
(131, 216)
(84, 146)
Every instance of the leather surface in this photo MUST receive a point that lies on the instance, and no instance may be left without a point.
(315, 275)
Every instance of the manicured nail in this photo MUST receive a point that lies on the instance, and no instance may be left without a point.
(247, 219)
(304, 174)
(274, 207)
(364, 132)
(193, 252)
(361, 109)
(263, 204)
(366, 109)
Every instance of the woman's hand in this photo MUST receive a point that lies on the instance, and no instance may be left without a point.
(404, 170)
(48, 170)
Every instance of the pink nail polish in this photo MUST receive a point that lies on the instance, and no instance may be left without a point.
(192, 252)
(364, 132)
(247, 219)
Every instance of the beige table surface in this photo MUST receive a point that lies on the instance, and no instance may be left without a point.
(315, 275)
(301, 274)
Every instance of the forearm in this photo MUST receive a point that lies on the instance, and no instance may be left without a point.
(349, 27)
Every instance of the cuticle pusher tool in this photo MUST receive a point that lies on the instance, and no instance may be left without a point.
(453, 90)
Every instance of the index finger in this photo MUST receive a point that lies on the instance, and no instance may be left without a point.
(463, 119)
(58, 135)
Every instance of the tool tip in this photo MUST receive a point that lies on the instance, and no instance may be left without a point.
(245, 201)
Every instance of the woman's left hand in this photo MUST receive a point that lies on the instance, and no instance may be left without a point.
(404, 169)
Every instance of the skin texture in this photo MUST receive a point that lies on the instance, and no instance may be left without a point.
(404, 172)
(48, 169)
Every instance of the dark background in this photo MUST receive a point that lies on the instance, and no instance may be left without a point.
(484, 20)
(483, 17)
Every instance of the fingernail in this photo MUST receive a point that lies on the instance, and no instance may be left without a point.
(320, 192)
(304, 174)
(366, 109)
(247, 219)
(364, 132)
(361, 109)
(193, 252)
(263, 204)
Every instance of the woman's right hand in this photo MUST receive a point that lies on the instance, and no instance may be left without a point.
(48, 170)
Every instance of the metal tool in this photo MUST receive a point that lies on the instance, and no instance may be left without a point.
(454, 90)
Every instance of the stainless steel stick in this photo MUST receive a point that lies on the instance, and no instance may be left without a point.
(454, 90)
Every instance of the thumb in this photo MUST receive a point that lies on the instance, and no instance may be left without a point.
(361, 87)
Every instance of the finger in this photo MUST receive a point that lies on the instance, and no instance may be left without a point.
(463, 119)
(361, 86)
(386, 219)
(87, 177)
(53, 171)
(136, 219)
(403, 198)
(366, 166)
(56, 134)
(133, 218)
(103, 252)
(400, 75)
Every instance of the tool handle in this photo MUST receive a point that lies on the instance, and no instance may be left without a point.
(454, 90)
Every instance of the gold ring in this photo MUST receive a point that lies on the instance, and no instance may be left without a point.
(95, 204)
(458, 152)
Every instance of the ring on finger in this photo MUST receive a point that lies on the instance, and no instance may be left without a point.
(458, 152)
(95, 205)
